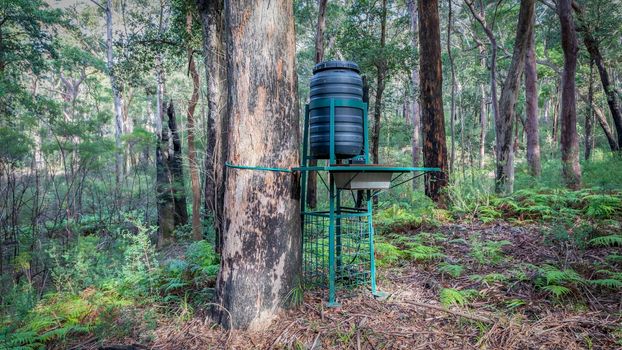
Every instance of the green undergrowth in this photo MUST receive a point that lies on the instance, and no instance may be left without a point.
(108, 287)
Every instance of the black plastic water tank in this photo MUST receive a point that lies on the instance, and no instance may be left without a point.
(339, 80)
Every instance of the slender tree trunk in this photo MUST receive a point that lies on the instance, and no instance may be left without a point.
(589, 116)
(177, 171)
(483, 112)
(602, 121)
(212, 19)
(452, 119)
(381, 71)
(479, 16)
(118, 102)
(592, 47)
(261, 248)
(164, 195)
(431, 83)
(197, 229)
(319, 57)
(415, 109)
(507, 103)
(531, 108)
(571, 172)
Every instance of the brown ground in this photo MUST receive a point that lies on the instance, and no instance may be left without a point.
(410, 318)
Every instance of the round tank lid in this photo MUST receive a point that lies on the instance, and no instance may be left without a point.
(336, 64)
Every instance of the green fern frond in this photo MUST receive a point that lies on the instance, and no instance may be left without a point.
(606, 241)
(608, 283)
(421, 252)
(452, 270)
(450, 296)
(555, 290)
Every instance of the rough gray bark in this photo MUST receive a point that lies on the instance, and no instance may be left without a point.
(212, 19)
(319, 57)
(531, 108)
(415, 109)
(507, 103)
(432, 116)
(571, 172)
(261, 243)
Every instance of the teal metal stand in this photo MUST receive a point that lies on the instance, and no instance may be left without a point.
(338, 239)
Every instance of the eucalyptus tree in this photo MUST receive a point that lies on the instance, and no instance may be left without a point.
(571, 172)
(261, 240)
(214, 51)
(432, 116)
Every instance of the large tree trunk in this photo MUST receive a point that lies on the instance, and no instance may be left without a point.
(592, 47)
(431, 84)
(177, 171)
(212, 18)
(531, 101)
(118, 102)
(381, 72)
(319, 57)
(507, 103)
(197, 230)
(415, 110)
(261, 251)
(452, 118)
(571, 172)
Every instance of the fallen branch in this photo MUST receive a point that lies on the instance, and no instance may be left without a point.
(458, 313)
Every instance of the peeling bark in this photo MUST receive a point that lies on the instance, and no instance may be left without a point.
(261, 242)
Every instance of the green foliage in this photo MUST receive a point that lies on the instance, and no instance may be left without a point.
(607, 241)
(452, 270)
(602, 205)
(451, 296)
(557, 282)
(488, 252)
(386, 254)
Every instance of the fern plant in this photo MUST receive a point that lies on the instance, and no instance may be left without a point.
(612, 281)
(607, 241)
(557, 282)
(451, 296)
(602, 205)
(488, 251)
(453, 270)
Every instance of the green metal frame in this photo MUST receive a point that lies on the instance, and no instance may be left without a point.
(343, 222)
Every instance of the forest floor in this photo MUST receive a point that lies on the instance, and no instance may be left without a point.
(494, 297)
